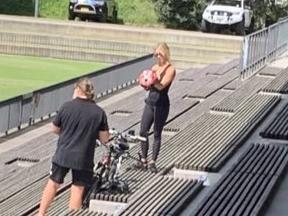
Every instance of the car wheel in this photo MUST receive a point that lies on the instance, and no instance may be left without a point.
(103, 18)
(71, 16)
(240, 28)
(105, 14)
(205, 26)
(214, 28)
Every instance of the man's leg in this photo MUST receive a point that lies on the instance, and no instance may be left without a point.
(48, 196)
(57, 175)
(80, 180)
(76, 197)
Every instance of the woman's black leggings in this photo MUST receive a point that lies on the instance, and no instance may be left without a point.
(157, 115)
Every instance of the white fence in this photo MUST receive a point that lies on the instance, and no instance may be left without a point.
(262, 47)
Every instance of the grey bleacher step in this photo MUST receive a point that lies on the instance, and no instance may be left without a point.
(233, 101)
(100, 30)
(277, 128)
(102, 43)
(109, 56)
(164, 196)
(247, 185)
(217, 147)
(279, 84)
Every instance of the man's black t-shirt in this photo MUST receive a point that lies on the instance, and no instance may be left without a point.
(80, 121)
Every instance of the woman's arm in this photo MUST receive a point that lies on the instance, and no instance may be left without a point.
(166, 80)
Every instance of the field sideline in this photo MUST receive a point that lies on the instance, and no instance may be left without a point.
(24, 74)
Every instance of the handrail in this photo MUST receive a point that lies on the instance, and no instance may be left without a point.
(262, 47)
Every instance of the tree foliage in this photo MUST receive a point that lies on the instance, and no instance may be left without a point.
(17, 7)
(183, 14)
(187, 14)
(180, 14)
(266, 12)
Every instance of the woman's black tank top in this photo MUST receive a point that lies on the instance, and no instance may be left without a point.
(159, 97)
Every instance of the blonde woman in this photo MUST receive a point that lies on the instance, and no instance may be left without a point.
(78, 123)
(157, 105)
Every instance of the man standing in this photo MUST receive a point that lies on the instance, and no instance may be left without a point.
(78, 123)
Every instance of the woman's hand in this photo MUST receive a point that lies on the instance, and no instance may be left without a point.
(146, 88)
(167, 79)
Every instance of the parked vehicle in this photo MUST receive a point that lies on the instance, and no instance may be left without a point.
(100, 10)
(235, 15)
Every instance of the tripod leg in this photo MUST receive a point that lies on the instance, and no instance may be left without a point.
(90, 192)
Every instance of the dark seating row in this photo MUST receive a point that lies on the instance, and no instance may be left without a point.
(278, 127)
(246, 187)
(193, 114)
(86, 213)
(234, 100)
(165, 196)
(279, 84)
(211, 151)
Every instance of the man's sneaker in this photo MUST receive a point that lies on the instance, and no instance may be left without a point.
(153, 168)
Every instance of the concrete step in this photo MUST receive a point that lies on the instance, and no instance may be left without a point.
(54, 52)
(111, 51)
(111, 41)
(119, 32)
(39, 38)
(130, 50)
(113, 57)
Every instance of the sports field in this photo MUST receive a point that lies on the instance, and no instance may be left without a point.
(23, 74)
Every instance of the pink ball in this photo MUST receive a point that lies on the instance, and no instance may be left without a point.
(147, 78)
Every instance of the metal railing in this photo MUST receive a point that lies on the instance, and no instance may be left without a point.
(262, 47)
(26, 109)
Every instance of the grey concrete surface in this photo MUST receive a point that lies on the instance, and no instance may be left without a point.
(188, 47)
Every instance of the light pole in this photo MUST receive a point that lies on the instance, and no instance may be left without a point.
(36, 12)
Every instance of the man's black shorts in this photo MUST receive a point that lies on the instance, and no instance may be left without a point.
(79, 177)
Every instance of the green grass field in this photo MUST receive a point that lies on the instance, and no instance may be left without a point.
(23, 74)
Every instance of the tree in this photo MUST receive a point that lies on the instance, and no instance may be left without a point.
(267, 12)
(17, 7)
(187, 14)
(183, 14)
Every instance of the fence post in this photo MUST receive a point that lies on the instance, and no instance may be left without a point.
(36, 12)
(244, 59)
(267, 45)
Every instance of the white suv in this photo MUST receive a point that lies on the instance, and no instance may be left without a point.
(235, 15)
